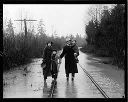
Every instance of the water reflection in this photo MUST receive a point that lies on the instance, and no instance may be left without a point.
(45, 90)
(71, 91)
(45, 87)
(54, 88)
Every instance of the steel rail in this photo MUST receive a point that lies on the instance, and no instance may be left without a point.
(95, 83)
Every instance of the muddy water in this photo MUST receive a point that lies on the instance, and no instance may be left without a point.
(109, 77)
(29, 84)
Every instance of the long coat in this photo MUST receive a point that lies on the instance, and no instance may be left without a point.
(70, 62)
(54, 64)
(47, 59)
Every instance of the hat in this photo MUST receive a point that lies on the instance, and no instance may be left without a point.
(68, 39)
(49, 42)
(54, 50)
(74, 39)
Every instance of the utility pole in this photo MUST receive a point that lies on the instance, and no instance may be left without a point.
(25, 25)
(52, 30)
(21, 22)
(25, 37)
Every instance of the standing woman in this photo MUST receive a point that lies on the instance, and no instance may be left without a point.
(70, 62)
(47, 59)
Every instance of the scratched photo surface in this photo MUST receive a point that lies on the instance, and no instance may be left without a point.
(63, 50)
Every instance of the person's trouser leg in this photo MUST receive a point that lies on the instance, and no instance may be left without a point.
(46, 71)
(73, 75)
(67, 75)
(53, 75)
(45, 75)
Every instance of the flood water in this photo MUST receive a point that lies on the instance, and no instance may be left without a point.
(30, 84)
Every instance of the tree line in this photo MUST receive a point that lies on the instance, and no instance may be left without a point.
(19, 50)
(106, 37)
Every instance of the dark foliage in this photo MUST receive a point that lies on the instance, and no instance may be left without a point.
(107, 37)
(19, 49)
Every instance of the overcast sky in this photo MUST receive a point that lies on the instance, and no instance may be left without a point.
(64, 18)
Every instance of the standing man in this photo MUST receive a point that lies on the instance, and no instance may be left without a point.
(47, 59)
(70, 62)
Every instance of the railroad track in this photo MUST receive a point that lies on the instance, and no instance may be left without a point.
(95, 83)
(54, 83)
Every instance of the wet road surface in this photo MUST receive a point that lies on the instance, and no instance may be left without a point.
(29, 84)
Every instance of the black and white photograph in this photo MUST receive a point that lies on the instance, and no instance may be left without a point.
(64, 51)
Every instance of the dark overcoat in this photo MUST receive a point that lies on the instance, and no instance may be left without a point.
(54, 64)
(70, 62)
(47, 58)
